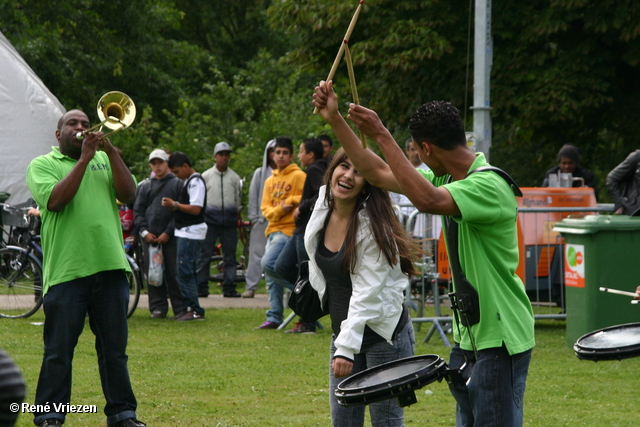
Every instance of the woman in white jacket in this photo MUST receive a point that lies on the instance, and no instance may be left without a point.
(360, 260)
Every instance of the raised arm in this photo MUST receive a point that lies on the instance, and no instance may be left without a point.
(422, 193)
(370, 166)
(399, 175)
(123, 182)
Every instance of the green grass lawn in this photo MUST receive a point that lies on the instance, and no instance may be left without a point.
(220, 372)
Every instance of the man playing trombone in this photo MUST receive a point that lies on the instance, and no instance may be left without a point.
(76, 187)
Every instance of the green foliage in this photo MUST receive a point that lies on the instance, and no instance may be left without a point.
(243, 70)
(266, 100)
(403, 51)
(563, 71)
(568, 73)
(82, 49)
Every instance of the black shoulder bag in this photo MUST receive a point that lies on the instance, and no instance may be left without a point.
(304, 300)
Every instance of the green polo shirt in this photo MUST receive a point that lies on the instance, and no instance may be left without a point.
(488, 249)
(86, 236)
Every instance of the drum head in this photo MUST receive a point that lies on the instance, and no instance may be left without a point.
(612, 343)
(398, 378)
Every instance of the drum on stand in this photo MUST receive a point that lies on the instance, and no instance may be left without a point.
(398, 378)
(612, 343)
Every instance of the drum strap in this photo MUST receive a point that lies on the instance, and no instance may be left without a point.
(464, 301)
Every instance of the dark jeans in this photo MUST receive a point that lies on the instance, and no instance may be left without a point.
(229, 239)
(293, 253)
(105, 297)
(169, 287)
(188, 255)
(493, 393)
(386, 413)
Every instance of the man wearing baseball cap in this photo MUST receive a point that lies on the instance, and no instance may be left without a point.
(156, 227)
(224, 190)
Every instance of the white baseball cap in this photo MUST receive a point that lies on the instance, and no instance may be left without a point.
(221, 146)
(159, 154)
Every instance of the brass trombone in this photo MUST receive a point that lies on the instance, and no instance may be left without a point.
(116, 111)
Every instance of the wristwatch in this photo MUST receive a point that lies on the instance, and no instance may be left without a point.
(175, 206)
(144, 233)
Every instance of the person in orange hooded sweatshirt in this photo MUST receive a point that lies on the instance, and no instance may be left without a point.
(281, 195)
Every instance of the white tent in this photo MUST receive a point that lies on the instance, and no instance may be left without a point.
(29, 115)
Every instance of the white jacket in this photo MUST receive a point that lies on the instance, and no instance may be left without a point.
(377, 288)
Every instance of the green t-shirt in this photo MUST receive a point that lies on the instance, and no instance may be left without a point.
(86, 236)
(488, 249)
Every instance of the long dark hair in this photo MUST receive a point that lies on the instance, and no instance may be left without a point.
(392, 239)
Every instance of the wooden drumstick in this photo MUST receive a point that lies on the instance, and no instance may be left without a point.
(354, 88)
(616, 291)
(352, 25)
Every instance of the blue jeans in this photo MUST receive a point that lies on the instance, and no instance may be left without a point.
(493, 393)
(287, 266)
(387, 413)
(188, 256)
(275, 284)
(229, 239)
(105, 297)
(288, 262)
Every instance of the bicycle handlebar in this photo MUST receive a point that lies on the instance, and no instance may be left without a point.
(14, 210)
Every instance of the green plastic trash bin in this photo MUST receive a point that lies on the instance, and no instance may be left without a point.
(600, 251)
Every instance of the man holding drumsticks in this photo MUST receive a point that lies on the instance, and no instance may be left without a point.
(492, 354)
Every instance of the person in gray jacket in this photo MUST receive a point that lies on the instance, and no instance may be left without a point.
(257, 239)
(224, 192)
(623, 183)
(156, 227)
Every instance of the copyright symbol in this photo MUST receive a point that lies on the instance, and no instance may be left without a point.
(14, 407)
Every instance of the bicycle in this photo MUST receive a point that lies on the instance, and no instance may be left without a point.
(135, 285)
(20, 267)
(15, 223)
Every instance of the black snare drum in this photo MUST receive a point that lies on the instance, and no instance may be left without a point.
(398, 378)
(612, 343)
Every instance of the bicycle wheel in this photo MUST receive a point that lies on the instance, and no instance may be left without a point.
(135, 284)
(20, 283)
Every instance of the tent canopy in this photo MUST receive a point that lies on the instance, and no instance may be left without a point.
(29, 114)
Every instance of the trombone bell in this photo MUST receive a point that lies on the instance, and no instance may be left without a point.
(116, 111)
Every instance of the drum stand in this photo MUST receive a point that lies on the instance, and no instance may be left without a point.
(429, 275)
(435, 321)
(292, 316)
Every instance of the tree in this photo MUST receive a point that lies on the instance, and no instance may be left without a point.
(563, 70)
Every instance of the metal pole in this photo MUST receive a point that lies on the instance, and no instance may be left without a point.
(483, 60)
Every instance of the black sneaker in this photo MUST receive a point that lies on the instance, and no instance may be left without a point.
(157, 314)
(301, 328)
(190, 315)
(232, 294)
(51, 422)
(131, 422)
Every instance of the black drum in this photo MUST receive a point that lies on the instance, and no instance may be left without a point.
(398, 378)
(612, 343)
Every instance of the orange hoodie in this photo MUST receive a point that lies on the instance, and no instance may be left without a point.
(283, 186)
